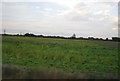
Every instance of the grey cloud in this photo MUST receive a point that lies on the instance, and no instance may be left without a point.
(79, 19)
(81, 6)
(83, 13)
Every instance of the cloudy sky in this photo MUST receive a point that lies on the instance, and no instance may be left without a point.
(61, 17)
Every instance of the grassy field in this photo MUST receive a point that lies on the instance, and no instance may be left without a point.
(61, 57)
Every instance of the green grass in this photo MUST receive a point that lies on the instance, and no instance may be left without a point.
(88, 56)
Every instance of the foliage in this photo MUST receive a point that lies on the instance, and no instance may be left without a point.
(89, 56)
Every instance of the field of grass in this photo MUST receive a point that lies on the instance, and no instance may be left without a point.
(78, 58)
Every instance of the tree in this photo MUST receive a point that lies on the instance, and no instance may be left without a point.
(73, 36)
(116, 38)
(29, 35)
(107, 39)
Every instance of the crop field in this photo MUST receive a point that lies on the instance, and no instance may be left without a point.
(59, 58)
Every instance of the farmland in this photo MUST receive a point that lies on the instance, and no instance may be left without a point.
(76, 58)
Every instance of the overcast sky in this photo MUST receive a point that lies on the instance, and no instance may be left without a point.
(61, 17)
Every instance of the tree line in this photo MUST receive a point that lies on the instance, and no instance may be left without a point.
(61, 37)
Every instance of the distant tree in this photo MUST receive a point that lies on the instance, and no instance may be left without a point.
(91, 38)
(73, 36)
(29, 35)
(115, 38)
(106, 38)
(17, 34)
(101, 39)
(40, 36)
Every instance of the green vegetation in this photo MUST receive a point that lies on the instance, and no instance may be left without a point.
(74, 56)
